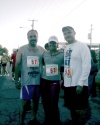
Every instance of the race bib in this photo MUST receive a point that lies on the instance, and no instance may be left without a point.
(51, 69)
(68, 71)
(32, 61)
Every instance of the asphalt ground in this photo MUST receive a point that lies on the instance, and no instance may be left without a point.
(10, 103)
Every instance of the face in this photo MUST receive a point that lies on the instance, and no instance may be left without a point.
(47, 48)
(32, 38)
(69, 36)
(53, 45)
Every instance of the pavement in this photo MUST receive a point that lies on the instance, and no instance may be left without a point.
(10, 103)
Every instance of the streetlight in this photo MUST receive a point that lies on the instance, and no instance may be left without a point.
(90, 37)
(24, 27)
(32, 23)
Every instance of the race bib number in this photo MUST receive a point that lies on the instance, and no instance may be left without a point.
(68, 71)
(32, 61)
(52, 70)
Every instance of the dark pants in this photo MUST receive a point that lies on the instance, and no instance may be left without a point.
(50, 97)
(93, 88)
(77, 104)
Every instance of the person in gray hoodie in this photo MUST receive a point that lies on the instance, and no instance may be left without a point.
(51, 81)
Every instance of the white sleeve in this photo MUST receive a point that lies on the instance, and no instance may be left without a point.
(86, 64)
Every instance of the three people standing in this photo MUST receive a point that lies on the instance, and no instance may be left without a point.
(77, 63)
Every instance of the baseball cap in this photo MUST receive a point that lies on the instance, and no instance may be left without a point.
(67, 28)
(53, 38)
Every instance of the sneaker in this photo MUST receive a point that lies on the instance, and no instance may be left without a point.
(21, 124)
(7, 75)
(93, 95)
(33, 121)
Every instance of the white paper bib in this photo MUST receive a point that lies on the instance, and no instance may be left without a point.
(32, 61)
(68, 71)
(51, 69)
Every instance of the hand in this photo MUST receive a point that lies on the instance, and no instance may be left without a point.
(18, 84)
(61, 83)
(79, 89)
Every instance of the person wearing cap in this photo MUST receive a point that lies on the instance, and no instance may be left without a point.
(77, 65)
(51, 81)
(29, 61)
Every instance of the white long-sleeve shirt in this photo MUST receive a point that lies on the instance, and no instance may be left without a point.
(77, 64)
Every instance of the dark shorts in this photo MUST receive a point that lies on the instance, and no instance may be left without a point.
(10, 62)
(4, 64)
(30, 92)
(76, 101)
(13, 69)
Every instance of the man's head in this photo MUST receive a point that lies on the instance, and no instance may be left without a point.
(53, 43)
(69, 34)
(46, 46)
(32, 36)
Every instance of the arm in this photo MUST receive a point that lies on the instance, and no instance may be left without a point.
(11, 56)
(8, 59)
(62, 76)
(86, 66)
(43, 63)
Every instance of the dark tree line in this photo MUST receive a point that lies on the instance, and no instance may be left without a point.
(3, 50)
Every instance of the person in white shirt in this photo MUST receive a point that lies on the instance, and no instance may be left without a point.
(77, 64)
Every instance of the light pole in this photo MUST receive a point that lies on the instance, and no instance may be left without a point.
(24, 27)
(90, 37)
(32, 23)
